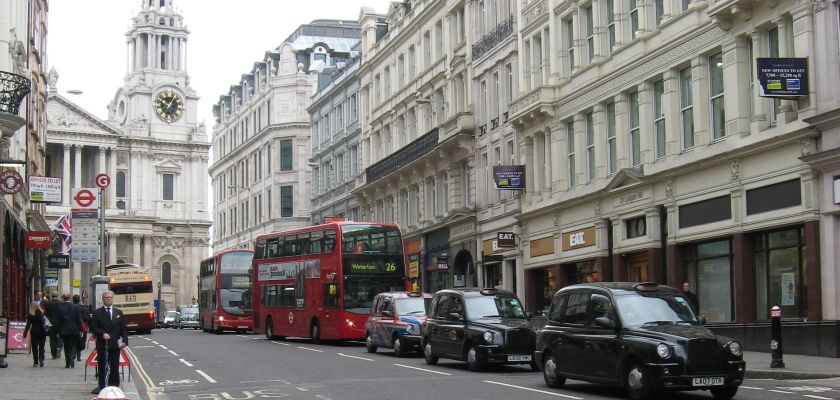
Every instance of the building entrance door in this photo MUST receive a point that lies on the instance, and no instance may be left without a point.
(637, 267)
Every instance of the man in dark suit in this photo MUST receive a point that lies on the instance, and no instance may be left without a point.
(70, 328)
(108, 326)
(52, 310)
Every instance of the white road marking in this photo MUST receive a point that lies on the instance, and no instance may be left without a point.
(423, 369)
(535, 390)
(779, 391)
(817, 397)
(283, 381)
(164, 347)
(280, 343)
(256, 338)
(173, 353)
(209, 379)
(358, 358)
(155, 342)
(141, 347)
(750, 387)
(322, 397)
(242, 336)
(307, 348)
(306, 388)
(185, 362)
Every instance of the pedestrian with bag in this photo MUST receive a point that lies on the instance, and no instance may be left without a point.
(85, 324)
(52, 310)
(70, 328)
(35, 327)
(108, 326)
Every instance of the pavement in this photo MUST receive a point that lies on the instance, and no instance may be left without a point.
(796, 367)
(21, 381)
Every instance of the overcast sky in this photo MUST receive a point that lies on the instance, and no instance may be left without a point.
(86, 42)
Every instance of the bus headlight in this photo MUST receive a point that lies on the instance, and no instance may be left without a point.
(488, 337)
(350, 323)
(221, 318)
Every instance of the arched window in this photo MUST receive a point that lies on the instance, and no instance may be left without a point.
(166, 274)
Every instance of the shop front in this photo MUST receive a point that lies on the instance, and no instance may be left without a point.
(411, 249)
(12, 267)
(437, 273)
(498, 257)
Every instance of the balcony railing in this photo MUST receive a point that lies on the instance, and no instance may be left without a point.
(492, 38)
(404, 156)
(13, 88)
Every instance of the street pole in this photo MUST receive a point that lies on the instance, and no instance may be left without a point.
(101, 231)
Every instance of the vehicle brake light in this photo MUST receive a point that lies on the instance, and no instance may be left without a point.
(151, 315)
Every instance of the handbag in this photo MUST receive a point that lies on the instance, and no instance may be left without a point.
(47, 324)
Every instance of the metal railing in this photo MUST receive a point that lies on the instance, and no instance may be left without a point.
(492, 38)
(403, 156)
(13, 88)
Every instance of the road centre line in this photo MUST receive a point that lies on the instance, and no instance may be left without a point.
(209, 379)
(283, 381)
(141, 347)
(358, 358)
(185, 362)
(750, 387)
(307, 348)
(163, 347)
(779, 391)
(280, 343)
(155, 342)
(423, 369)
(535, 390)
(817, 397)
(242, 336)
(173, 353)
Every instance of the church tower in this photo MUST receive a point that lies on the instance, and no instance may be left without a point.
(156, 99)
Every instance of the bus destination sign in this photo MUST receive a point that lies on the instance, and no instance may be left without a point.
(364, 266)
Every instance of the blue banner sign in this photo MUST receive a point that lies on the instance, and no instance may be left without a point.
(782, 77)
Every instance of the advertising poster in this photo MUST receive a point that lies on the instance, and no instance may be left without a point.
(509, 177)
(788, 288)
(16, 340)
(782, 77)
(413, 266)
(43, 189)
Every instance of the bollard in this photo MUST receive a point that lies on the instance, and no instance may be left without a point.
(776, 351)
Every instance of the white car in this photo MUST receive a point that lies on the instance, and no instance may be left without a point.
(169, 319)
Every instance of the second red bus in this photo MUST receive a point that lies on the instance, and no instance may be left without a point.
(224, 294)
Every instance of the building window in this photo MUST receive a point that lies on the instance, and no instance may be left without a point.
(570, 43)
(611, 24)
(716, 90)
(166, 274)
(635, 145)
(445, 194)
(634, 19)
(286, 155)
(612, 154)
(636, 227)
(710, 272)
(686, 108)
(590, 146)
(570, 141)
(493, 277)
(168, 187)
(659, 118)
(590, 33)
(779, 273)
(286, 202)
(120, 183)
(465, 184)
(659, 10)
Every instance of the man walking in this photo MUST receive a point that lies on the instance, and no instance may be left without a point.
(108, 326)
(52, 310)
(691, 297)
(70, 328)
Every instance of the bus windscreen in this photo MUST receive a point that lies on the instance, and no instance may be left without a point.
(235, 283)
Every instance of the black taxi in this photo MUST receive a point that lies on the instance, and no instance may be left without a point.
(394, 321)
(479, 326)
(642, 337)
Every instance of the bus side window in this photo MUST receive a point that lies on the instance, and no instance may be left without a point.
(303, 243)
(331, 295)
(316, 242)
(329, 241)
(271, 248)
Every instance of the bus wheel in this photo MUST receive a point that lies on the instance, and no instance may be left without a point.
(315, 332)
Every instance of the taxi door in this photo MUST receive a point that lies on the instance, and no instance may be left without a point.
(452, 330)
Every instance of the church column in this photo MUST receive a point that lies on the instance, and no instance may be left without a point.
(113, 239)
(65, 177)
(150, 51)
(112, 172)
(135, 242)
(148, 245)
(77, 173)
(100, 165)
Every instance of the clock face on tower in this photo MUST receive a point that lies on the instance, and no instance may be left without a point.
(169, 106)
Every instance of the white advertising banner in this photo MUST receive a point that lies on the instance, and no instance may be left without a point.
(43, 189)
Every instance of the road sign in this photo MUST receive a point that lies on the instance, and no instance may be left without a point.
(85, 199)
(92, 360)
(103, 180)
(85, 228)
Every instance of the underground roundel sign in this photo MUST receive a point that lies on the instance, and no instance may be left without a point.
(10, 182)
(84, 198)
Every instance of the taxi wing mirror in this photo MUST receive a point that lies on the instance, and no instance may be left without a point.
(385, 313)
(455, 316)
(703, 320)
(605, 322)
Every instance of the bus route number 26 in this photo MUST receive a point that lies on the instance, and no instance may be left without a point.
(390, 267)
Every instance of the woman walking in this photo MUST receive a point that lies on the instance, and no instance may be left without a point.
(35, 326)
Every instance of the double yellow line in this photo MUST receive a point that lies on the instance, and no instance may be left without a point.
(151, 389)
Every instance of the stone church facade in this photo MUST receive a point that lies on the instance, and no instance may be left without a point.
(155, 153)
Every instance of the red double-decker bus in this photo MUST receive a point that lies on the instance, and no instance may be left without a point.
(319, 282)
(224, 292)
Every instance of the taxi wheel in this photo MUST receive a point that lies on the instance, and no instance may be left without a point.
(430, 356)
(550, 373)
(398, 348)
(473, 362)
(636, 383)
(371, 348)
(724, 393)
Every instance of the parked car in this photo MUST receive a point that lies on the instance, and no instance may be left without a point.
(642, 337)
(479, 326)
(188, 318)
(169, 319)
(395, 320)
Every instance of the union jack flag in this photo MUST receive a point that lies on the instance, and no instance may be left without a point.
(62, 230)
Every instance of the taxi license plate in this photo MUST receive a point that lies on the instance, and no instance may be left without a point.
(519, 358)
(711, 381)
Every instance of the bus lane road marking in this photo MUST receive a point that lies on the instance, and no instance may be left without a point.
(423, 369)
(358, 358)
(209, 379)
(280, 343)
(173, 353)
(185, 362)
(307, 348)
(535, 390)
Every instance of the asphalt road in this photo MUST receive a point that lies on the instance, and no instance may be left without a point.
(192, 365)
